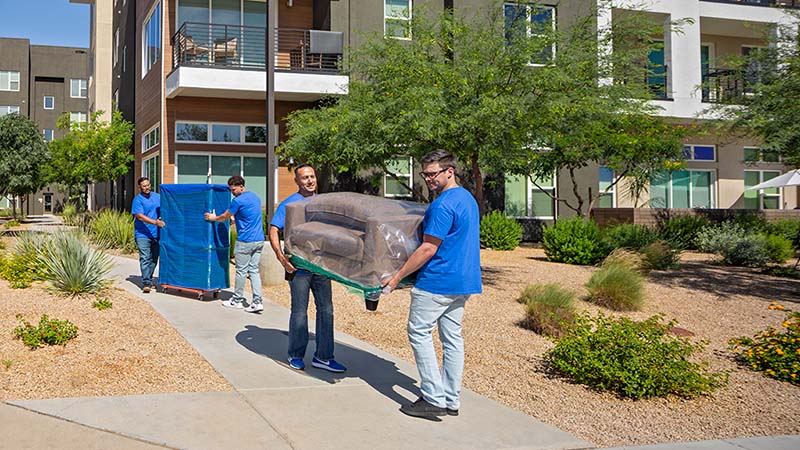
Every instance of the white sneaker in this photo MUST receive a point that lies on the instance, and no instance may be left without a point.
(254, 308)
(232, 304)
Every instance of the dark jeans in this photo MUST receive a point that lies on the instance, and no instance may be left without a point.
(298, 319)
(148, 258)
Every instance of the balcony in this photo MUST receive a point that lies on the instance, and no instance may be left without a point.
(726, 86)
(770, 3)
(213, 60)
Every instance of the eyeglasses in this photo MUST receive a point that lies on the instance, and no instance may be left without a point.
(431, 175)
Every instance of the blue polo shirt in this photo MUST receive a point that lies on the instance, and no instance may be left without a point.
(151, 208)
(455, 268)
(246, 208)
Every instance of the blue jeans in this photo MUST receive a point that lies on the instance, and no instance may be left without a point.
(427, 309)
(148, 258)
(298, 319)
(248, 255)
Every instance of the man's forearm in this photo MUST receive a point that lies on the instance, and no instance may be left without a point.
(275, 243)
(417, 259)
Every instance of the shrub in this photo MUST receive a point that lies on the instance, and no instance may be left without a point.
(734, 244)
(617, 287)
(680, 232)
(660, 256)
(788, 228)
(102, 303)
(70, 265)
(627, 258)
(777, 354)
(633, 359)
(500, 232)
(113, 229)
(630, 236)
(69, 213)
(49, 332)
(777, 248)
(11, 224)
(781, 271)
(15, 269)
(574, 241)
(548, 308)
(232, 242)
(751, 221)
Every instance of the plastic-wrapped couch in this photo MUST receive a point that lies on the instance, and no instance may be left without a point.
(195, 254)
(355, 239)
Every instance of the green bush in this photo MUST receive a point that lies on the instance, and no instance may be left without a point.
(788, 228)
(633, 359)
(232, 241)
(751, 221)
(777, 354)
(781, 271)
(617, 287)
(627, 258)
(11, 224)
(660, 256)
(69, 213)
(735, 245)
(630, 236)
(680, 232)
(500, 232)
(49, 332)
(778, 248)
(113, 229)
(14, 269)
(548, 308)
(574, 241)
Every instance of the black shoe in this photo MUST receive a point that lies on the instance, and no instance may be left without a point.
(422, 408)
(452, 412)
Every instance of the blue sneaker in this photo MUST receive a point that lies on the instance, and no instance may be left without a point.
(330, 365)
(297, 363)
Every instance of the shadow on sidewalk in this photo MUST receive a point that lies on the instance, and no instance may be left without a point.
(379, 373)
(221, 295)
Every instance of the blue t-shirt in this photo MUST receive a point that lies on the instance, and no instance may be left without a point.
(455, 269)
(246, 208)
(279, 218)
(151, 208)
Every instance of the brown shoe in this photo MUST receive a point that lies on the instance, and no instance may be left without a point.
(146, 289)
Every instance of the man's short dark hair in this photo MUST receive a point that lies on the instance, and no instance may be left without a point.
(302, 166)
(236, 180)
(444, 158)
(141, 179)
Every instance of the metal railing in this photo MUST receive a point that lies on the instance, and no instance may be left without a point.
(242, 47)
(724, 86)
(656, 80)
(771, 3)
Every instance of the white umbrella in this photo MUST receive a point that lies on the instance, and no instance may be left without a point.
(791, 178)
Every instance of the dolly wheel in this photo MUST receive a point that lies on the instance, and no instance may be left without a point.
(216, 294)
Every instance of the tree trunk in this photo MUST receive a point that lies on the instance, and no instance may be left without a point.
(13, 207)
(478, 177)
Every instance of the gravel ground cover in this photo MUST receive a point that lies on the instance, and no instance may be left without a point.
(504, 361)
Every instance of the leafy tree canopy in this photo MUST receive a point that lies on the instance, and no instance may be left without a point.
(23, 154)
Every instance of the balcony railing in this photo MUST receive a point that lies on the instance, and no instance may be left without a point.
(772, 3)
(724, 86)
(657, 82)
(242, 47)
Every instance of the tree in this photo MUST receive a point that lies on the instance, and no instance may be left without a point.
(91, 152)
(23, 154)
(468, 86)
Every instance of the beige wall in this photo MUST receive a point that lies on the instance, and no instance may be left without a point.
(726, 47)
(100, 95)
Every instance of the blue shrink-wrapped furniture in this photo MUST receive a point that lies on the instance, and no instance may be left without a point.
(195, 253)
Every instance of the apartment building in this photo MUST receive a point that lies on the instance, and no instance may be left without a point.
(43, 83)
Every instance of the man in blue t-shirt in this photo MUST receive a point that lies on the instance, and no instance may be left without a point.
(246, 210)
(449, 272)
(300, 283)
(146, 210)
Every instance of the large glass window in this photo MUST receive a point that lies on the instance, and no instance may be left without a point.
(226, 133)
(220, 132)
(764, 198)
(255, 176)
(193, 169)
(9, 80)
(525, 199)
(223, 167)
(397, 19)
(79, 117)
(699, 152)
(151, 139)
(78, 88)
(756, 155)
(191, 132)
(8, 110)
(152, 40)
(193, 11)
(218, 168)
(254, 134)
(530, 21)
(401, 167)
(605, 189)
(151, 168)
(682, 189)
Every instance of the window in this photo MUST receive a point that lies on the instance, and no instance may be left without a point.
(151, 138)
(151, 168)
(756, 155)
(191, 132)
(226, 133)
(116, 46)
(401, 167)
(524, 199)
(765, 198)
(206, 168)
(8, 110)
(79, 117)
(531, 21)
(699, 152)
(77, 88)
(49, 102)
(397, 19)
(151, 40)
(605, 189)
(48, 135)
(220, 132)
(682, 189)
(255, 134)
(9, 81)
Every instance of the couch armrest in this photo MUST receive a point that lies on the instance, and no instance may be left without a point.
(389, 242)
(295, 215)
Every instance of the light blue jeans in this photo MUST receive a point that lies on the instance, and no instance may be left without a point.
(248, 255)
(148, 258)
(301, 284)
(443, 388)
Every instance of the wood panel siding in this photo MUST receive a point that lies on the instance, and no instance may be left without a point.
(286, 184)
(149, 90)
(299, 15)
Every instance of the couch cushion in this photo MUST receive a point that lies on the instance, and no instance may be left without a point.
(317, 237)
(353, 210)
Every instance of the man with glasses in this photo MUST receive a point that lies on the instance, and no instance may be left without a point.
(448, 265)
(246, 210)
(146, 210)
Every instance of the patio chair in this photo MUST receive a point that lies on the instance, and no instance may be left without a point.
(225, 50)
(324, 48)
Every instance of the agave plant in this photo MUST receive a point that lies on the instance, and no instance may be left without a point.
(113, 229)
(70, 264)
